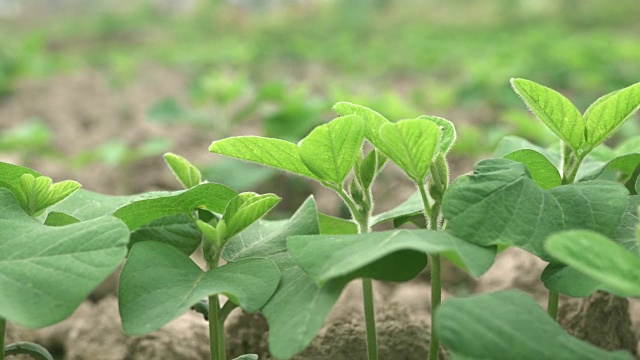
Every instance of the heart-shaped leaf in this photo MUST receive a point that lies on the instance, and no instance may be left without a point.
(245, 209)
(330, 150)
(541, 169)
(448, 132)
(158, 283)
(299, 307)
(188, 175)
(412, 145)
(372, 121)
(500, 204)
(598, 257)
(213, 197)
(48, 271)
(608, 113)
(275, 153)
(554, 110)
(38, 193)
(490, 326)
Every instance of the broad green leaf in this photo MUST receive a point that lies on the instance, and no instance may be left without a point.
(625, 233)
(10, 176)
(55, 218)
(275, 153)
(600, 258)
(330, 150)
(213, 197)
(411, 144)
(299, 307)
(490, 326)
(367, 169)
(608, 113)
(511, 143)
(178, 231)
(330, 225)
(188, 175)
(38, 193)
(372, 120)
(237, 174)
(569, 281)
(448, 132)
(46, 272)
(541, 169)
(329, 257)
(86, 205)
(245, 209)
(499, 204)
(554, 110)
(410, 207)
(158, 283)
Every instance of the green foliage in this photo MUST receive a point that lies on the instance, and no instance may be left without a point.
(490, 326)
(188, 175)
(63, 262)
(158, 283)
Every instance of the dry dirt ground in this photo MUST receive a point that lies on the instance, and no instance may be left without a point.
(84, 110)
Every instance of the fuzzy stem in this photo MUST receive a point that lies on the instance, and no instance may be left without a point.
(216, 325)
(3, 328)
(362, 220)
(436, 283)
(552, 304)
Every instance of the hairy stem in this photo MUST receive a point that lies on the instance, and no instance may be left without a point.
(216, 326)
(552, 304)
(436, 283)
(3, 328)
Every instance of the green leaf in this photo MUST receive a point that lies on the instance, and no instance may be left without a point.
(367, 170)
(372, 120)
(247, 357)
(330, 150)
(86, 205)
(511, 143)
(10, 176)
(245, 209)
(499, 204)
(38, 193)
(637, 187)
(554, 110)
(275, 153)
(411, 144)
(490, 326)
(625, 233)
(158, 283)
(569, 281)
(178, 231)
(448, 132)
(299, 307)
(410, 207)
(329, 257)
(542, 171)
(213, 197)
(188, 175)
(330, 225)
(34, 351)
(55, 218)
(608, 113)
(600, 258)
(46, 272)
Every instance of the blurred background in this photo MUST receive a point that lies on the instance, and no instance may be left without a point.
(97, 90)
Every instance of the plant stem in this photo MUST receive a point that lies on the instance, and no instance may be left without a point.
(552, 305)
(436, 283)
(362, 220)
(3, 328)
(216, 325)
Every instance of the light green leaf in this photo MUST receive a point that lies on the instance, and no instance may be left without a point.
(245, 209)
(86, 205)
(625, 233)
(368, 168)
(299, 307)
(10, 176)
(490, 326)
(178, 231)
(569, 281)
(213, 197)
(511, 143)
(598, 257)
(410, 207)
(541, 169)
(608, 113)
(46, 272)
(188, 175)
(38, 193)
(158, 283)
(55, 218)
(448, 132)
(330, 225)
(411, 144)
(327, 257)
(554, 110)
(637, 187)
(330, 150)
(499, 204)
(372, 120)
(275, 153)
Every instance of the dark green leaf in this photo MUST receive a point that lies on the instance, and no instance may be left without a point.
(178, 231)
